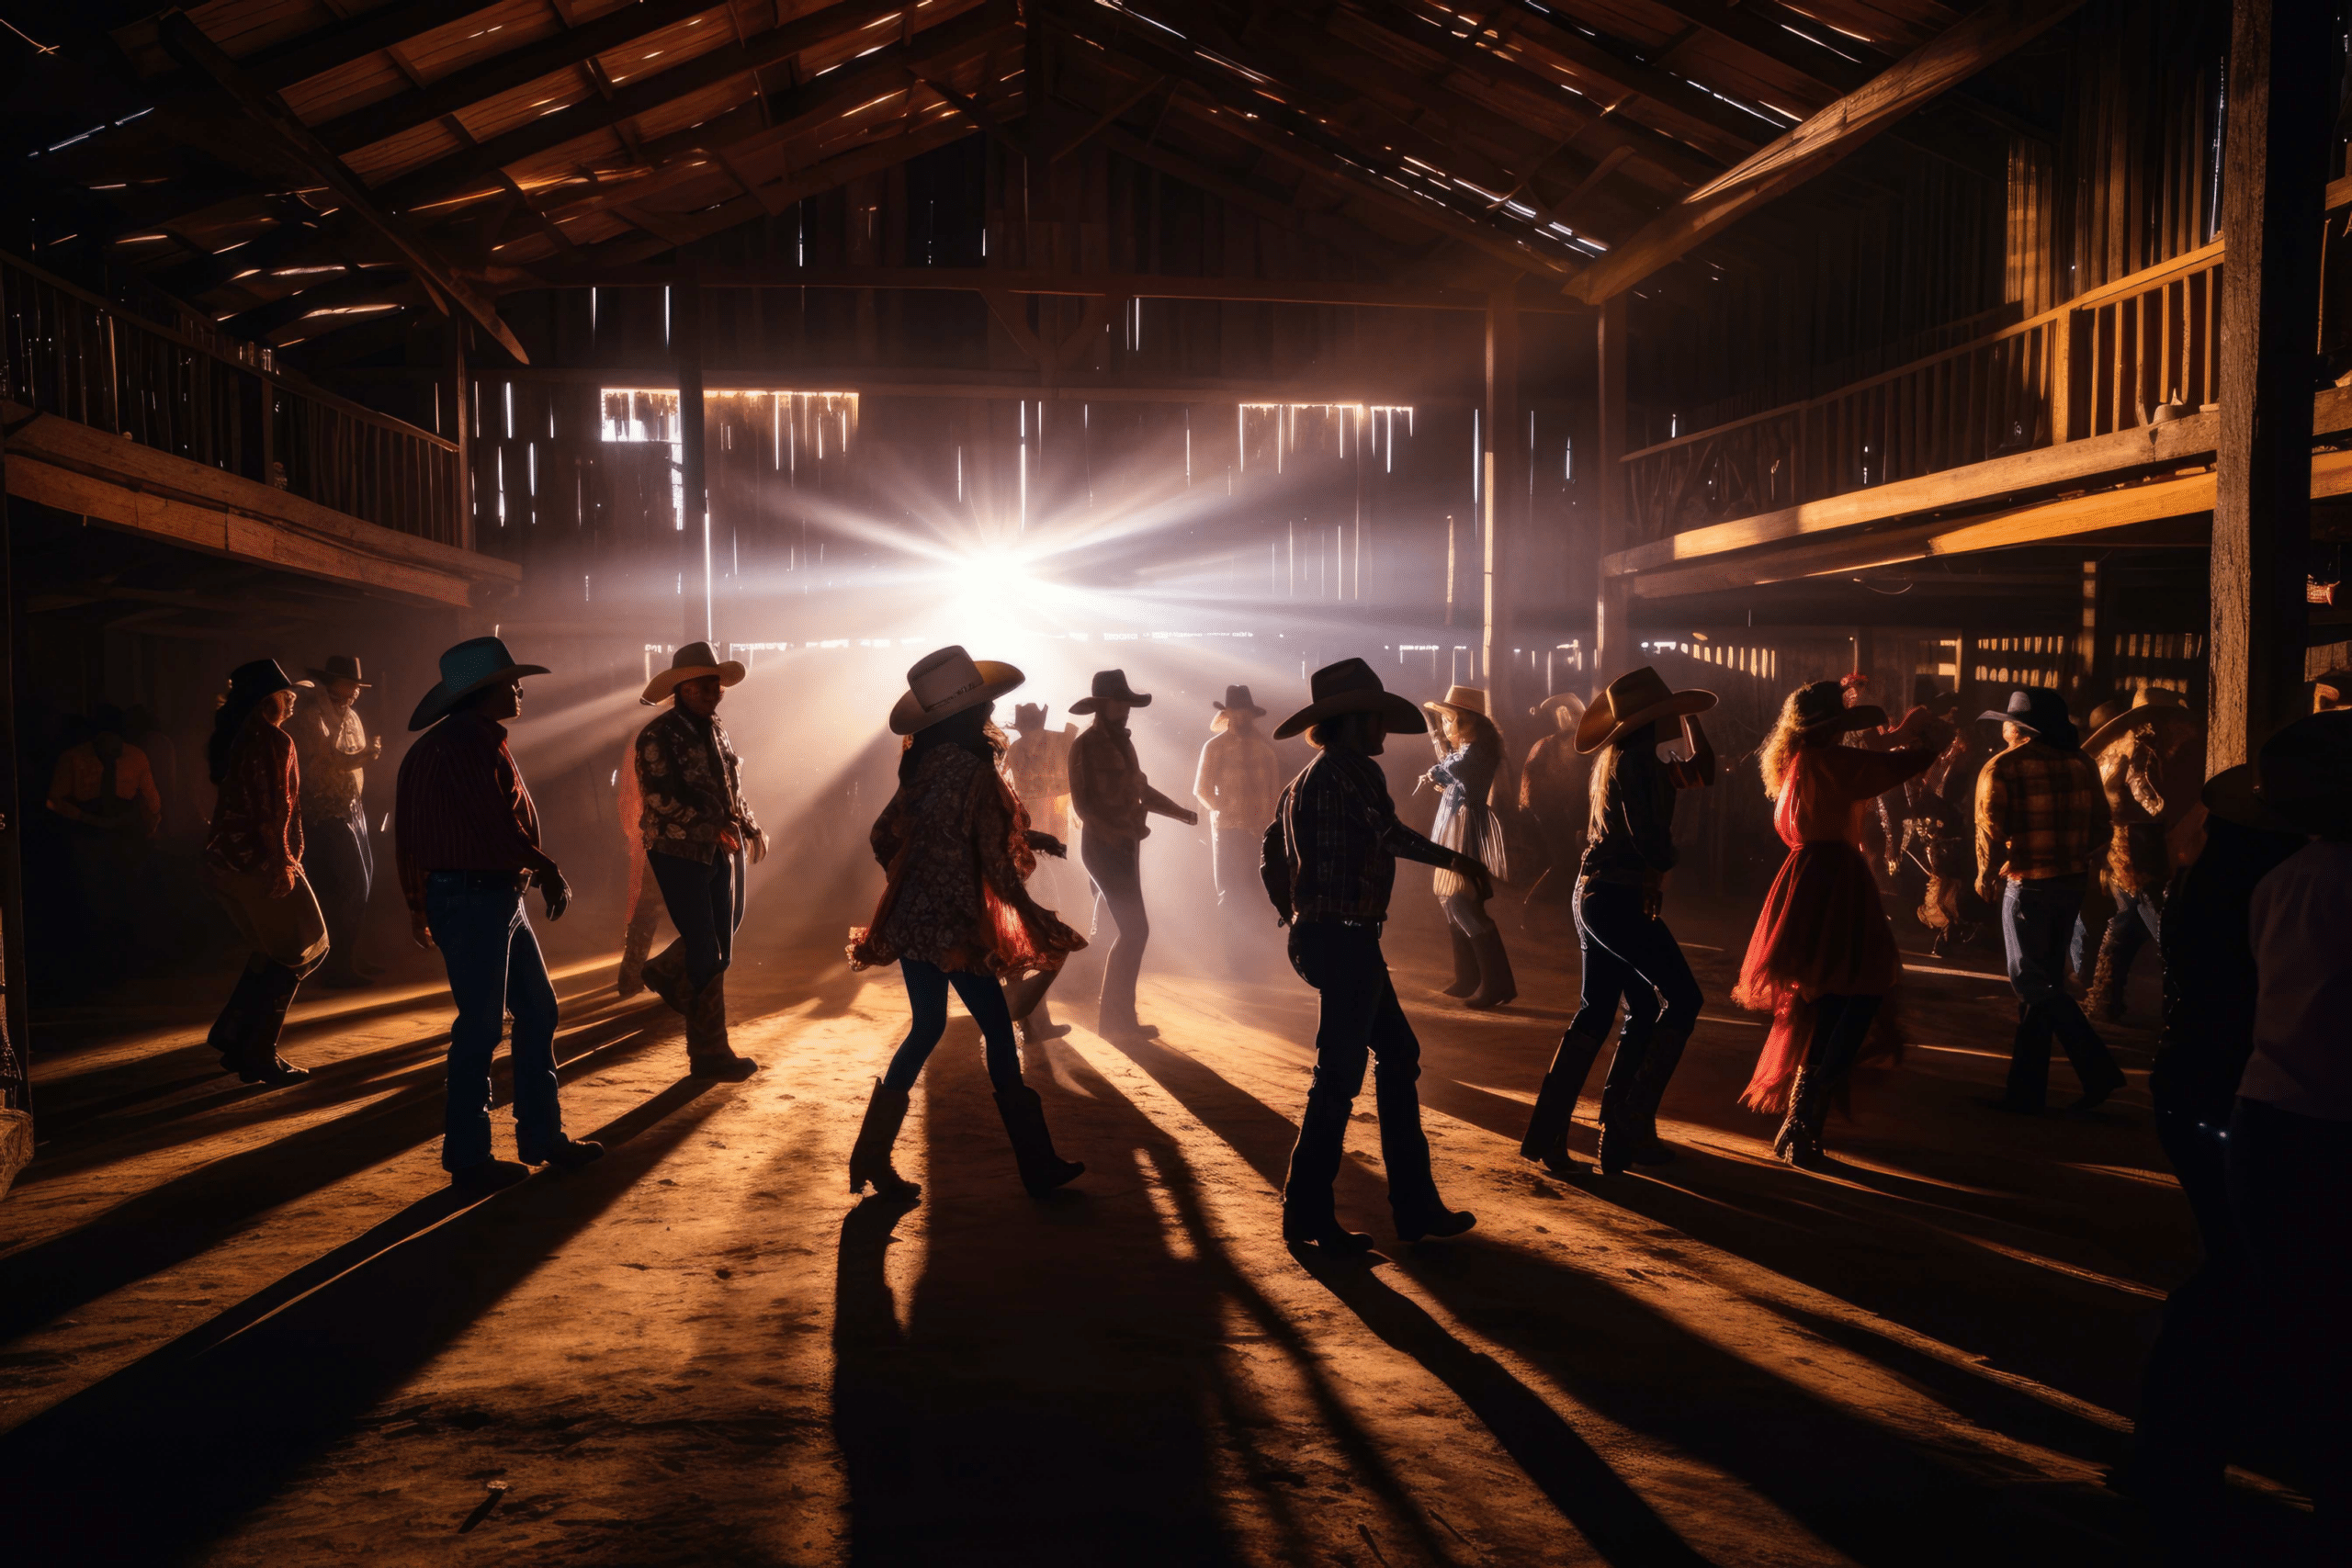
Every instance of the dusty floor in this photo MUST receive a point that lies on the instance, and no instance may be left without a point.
(247, 1327)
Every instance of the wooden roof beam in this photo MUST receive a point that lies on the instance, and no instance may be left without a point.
(1983, 36)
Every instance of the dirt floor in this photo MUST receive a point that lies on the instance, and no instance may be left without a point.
(240, 1327)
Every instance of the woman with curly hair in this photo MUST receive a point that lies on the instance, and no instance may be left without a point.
(1822, 955)
(1469, 753)
(956, 843)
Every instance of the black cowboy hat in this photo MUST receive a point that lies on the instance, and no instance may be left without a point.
(1238, 700)
(340, 667)
(467, 668)
(1351, 687)
(1822, 705)
(1111, 686)
(261, 677)
(2040, 710)
(2303, 774)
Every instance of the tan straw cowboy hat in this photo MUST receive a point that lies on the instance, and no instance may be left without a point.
(1351, 686)
(1558, 700)
(1461, 699)
(945, 683)
(1632, 701)
(691, 662)
(2149, 705)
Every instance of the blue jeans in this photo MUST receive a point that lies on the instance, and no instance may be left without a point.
(339, 857)
(495, 968)
(927, 997)
(2136, 919)
(1627, 955)
(1362, 1024)
(706, 903)
(2037, 920)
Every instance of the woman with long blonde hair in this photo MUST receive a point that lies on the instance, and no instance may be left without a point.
(1469, 754)
(1822, 955)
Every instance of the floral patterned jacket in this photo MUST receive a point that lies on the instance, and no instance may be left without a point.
(692, 785)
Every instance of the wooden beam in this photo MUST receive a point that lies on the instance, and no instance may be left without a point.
(277, 66)
(1983, 36)
(1502, 499)
(1342, 236)
(2275, 161)
(1613, 633)
(871, 381)
(187, 40)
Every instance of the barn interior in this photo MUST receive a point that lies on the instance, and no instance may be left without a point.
(1936, 347)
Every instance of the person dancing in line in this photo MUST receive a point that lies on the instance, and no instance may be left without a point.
(1329, 862)
(1237, 782)
(956, 911)
(2150, 751)
(1553, 790)
(1628, 952)
(1823, 955)
(253, 862)
(1114, 801)
(698, 831)
(1038, 766)
(1469, 753)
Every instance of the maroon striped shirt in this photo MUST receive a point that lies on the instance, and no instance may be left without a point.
(462, 805)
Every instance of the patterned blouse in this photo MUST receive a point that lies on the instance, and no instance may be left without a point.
(955, 842)
(257, 828)
(692, 785)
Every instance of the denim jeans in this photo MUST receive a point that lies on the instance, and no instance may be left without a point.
(495, 968)
(339, 858)
(1116, 866)
(1628, 955)
(927, 997)
(2036, 920)
(1362, 1022)
(706, 903)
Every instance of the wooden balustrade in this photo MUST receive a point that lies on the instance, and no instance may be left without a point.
(2105, 361)
(72, 353)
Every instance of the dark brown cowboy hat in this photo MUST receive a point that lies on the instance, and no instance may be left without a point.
(1111, 686)
(1632, 701)
(340, 667)
(1822, 705)
(468, 667)
(1028, 716)
(691, 662)
(1238, 700)
(1351, 687)
(2149, 705)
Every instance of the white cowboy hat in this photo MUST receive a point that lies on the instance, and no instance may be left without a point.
(691, 662)
(945, 683)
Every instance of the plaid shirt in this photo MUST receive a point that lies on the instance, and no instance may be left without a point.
(1239, 778)
(2041, 812)
(1331, 851)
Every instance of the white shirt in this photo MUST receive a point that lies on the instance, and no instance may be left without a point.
(2301, 927)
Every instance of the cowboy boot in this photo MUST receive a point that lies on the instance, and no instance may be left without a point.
(1466, 963)
(1042, 1169)
(1040, 1025)
(258, 1061)
(238, 1017)
(665, 975)
(708, 1053)
(1798, 1143)
(2027, 1089)
(869, 1158)
(1629, 1127)
(1309, 1216)
(1496, 985)
(2105, 997)
(635, 943)
(1547, 1142)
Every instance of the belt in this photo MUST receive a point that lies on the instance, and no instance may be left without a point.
(501, 881)
(1343, 920)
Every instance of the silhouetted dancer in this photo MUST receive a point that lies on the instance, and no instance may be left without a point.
(1237, 782)
(253, 862)
(2150, 751)
(1822, 957)
(697, 831)
(338, 852)
(1038, 766)
(643, 898)
(1553, 791)
(1628, 951)
(2195, 1385)
(2041, 827)
(1112, 800)
(956, 911)
(1329, 862)
(1469, 754)
(2290, 1136)
(467, 837)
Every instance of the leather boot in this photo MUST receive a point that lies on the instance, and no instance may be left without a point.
(1630, 1137)
(238, 1017)
(1798, 1143)
(1466, 963)
(2105, 997)
(1308, 1213)
(1547, 1142)
(1042, 1169)
(635, 945)
(869, 1158)
(1496, 985)
(665, 975)
(258, 1061)
(2027, 1089)
(708, 1053)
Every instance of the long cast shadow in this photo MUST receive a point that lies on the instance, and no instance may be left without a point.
(215, 1425)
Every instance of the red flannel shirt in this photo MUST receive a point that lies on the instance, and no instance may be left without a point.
(256, 826)
(2041, 812)
(462, 805)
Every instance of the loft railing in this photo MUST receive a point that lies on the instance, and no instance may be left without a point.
(2105, 361)
(72, 353)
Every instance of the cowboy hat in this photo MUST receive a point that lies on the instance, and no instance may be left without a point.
(2149, 705)
(1461, 699)
(1028, 717)
(691, 662)
(261, 677)
(2303, 774)
(945, 683)
(340, 667)
(2229, 794)
(1632, 701)
(1822, 705)
(2040, 710)
(2338, 681)
(1238, 700)
(1557, 700)
(1351, 686)
(1111, 686)
(467, 668)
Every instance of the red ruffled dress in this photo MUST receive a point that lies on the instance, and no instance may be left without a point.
(1824, 929)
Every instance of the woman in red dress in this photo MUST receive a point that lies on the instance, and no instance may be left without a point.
(1822, 955)
(956, 843)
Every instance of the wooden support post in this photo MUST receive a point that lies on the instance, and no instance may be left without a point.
(2282, 105)
(694, 525)
(2092, 666)
(1612, 640)
(1503, 487)
(457, 388)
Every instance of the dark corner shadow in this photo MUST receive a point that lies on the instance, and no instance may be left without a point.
(214, 1425)
(188, 1214)
(1588, 1493)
